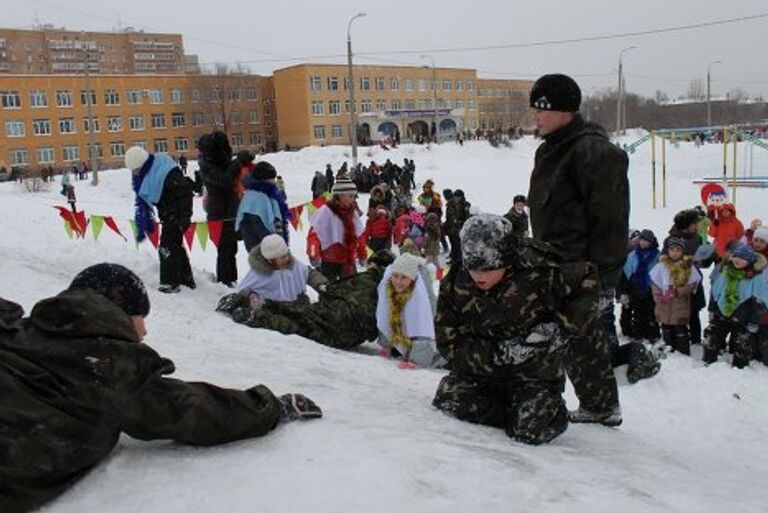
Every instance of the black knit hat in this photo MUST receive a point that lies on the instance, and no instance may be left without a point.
(556, 92)
(519, 199)
(264, 171)
(118, 284)
(686, 218)
(648, 235)
(382, 258)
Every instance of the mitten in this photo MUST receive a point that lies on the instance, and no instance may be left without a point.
(298, 406)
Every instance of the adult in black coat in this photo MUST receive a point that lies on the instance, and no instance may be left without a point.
(220, 175)
(74, 375)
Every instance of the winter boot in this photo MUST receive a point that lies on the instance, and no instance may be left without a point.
(681, 341)
(169, 289)
(611, 418)
(668, 336)
(643, 364)
(710, 355)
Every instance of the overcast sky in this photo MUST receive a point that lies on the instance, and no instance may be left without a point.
(263, 35)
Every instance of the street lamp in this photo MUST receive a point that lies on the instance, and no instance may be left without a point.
(619, 101)
(353, 113)
(92, 158)
(434, 93)
(709, 100)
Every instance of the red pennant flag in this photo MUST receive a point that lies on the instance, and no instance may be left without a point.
(296, 216)
(319, 202)
(189, 235)
(439, 274)
(154, 237)
(76, 221)
(81, 223)
(214, 231)
(113, 226)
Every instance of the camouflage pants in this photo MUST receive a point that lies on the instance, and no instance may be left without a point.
(530, 412)
(588, 358)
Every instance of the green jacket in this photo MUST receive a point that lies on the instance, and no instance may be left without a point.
(579, 198)
(73, 376)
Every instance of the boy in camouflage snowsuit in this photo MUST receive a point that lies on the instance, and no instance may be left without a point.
(502, 322)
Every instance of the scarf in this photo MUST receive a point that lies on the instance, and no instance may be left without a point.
(143, 213)
(641, 277)
(680, 271)
(273, 192)
(347, 216)
(397, 302)
(733, 278)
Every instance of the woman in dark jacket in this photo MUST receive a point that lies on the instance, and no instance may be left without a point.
(220, 175)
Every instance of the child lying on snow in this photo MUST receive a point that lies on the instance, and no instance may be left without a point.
(276, 275)
(405, 313)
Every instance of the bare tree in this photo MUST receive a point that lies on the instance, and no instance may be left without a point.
(737, 95)
(220, 91)
(660, 97)
(697, 89)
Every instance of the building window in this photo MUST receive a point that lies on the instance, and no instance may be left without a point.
(394, 84)
(45, 155)
(10, 99)
(446, 85)
(317, 109)
(86, 95)
(14, 129)
(319, 131)
(408, 84)
(136, 122)
(346, 106)
(178, 120)
(459, 85)
(70, 153)
(196, 96)
(218, 119)
(111, 97)
(41, 127)
(381, 105)
(422, 84)
(19, 157)
(117, 148)
(366, 106)
(233, 95)
(38, 98)
(425, 104)
(334, 107)
(336, 132)
(470, 85)
(198, 118)
(161, 145)
(471, 104)
(158, 120)
(481, 92)
(67, 126)
(380, 83)
(177, 95)
(251, 93)
(93, 122)
(410, 104)
(114, 124)
(140, 143)
(155, 96)
(96, 150)
(255, 139)
(333, 83)
(459, 104)
(133, 96)
(236, 118)
(181, 144)
(346, 83)
(63, 98)
(236, 140)
(315, 83)
(396, 105)
(365, 83)
(253, 117)
(214, 95)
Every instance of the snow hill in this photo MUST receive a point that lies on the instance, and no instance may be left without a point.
(693, 438)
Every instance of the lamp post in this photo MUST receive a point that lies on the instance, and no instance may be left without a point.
(352, 109)
(709, 90)
(620, 99)
(434, 93)
(92, 162)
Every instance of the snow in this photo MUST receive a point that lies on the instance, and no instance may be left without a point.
(693, 438)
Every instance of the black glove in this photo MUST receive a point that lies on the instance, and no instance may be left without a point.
(297, 406)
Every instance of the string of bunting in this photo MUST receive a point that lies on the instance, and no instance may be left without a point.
(76, 225)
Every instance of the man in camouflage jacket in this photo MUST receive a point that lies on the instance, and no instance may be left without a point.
(74, 375)
(579, 203)
(502, 322)
(344, 316)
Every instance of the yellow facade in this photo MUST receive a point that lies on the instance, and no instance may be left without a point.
(313, 108)
(43, 118)
(503, 104)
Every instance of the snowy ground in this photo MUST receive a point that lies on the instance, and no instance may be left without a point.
(693, 438)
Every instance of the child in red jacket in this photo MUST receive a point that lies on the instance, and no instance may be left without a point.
(378, 229)
(402, 226)
(726, 228)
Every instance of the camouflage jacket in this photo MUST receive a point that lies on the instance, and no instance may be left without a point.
(74, 376)
(456, 213)
(519, 221)
(475, 328)
(579, 198)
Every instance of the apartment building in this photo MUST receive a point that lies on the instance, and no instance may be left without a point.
(44, 118)
(503, 104)
(313, 105)
(48, 50)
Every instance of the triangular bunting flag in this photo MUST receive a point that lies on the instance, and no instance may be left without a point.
(68, 229)
(327, 195)
(81, 225)
(214, 231)
(319, 202)
(189, 235)
(113, 226)
(311, 209)
(154, 237)
(202, 234)
(369, 252)
(97, 223)
(135, 231)
(76, 221)
(296, 216)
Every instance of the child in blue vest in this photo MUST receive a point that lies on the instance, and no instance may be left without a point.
(634, 288)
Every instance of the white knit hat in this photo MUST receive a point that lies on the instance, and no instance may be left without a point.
(135, 157)
(761, 233)
(407, 265)
(273, 246)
